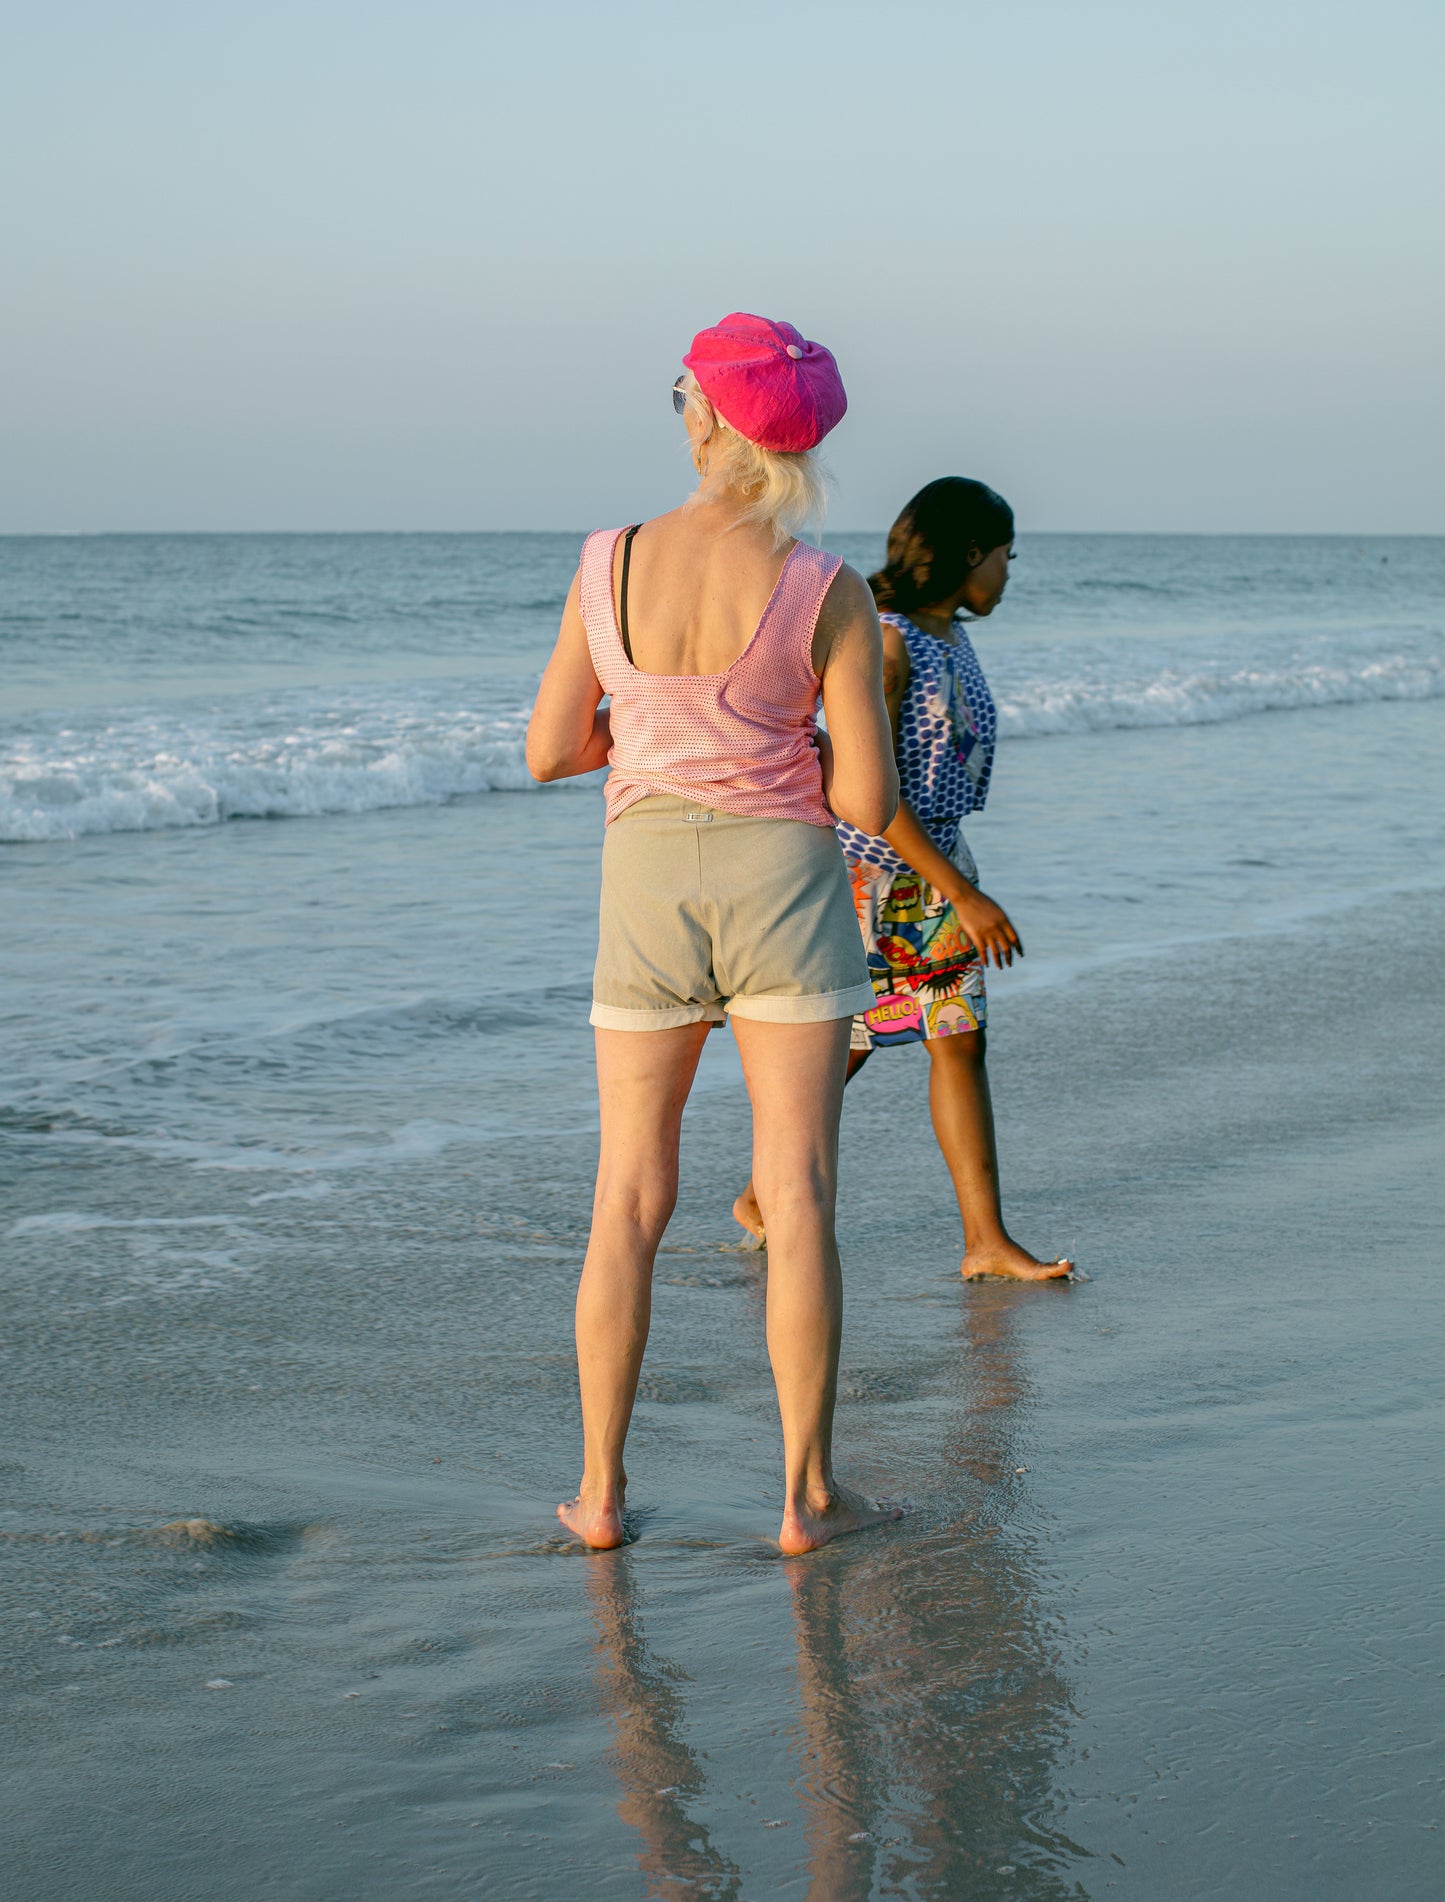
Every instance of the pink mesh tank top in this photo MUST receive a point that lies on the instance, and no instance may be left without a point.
(739, 741)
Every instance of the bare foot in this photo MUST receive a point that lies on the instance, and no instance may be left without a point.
(806, 1526)
(1007, 1259)
(595, 1516)
(748, 1215)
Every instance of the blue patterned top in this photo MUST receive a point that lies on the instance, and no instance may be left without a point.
(947, 730)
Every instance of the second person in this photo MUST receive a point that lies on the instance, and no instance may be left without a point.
(928, 930)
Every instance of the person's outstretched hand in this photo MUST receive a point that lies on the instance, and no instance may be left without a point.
(986, 924)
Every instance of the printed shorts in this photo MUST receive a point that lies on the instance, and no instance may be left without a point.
(706, 913)
(927, 976)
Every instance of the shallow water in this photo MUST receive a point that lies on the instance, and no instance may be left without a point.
(295, 1149)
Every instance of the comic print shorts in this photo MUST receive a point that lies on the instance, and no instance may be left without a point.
(927, 976)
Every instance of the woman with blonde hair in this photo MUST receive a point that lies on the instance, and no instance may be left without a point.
(715, 631)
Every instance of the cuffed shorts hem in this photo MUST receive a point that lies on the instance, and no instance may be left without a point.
(616, 1017)
(704, 912)
(815, 1009)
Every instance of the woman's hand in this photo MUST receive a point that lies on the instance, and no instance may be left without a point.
(987, 924)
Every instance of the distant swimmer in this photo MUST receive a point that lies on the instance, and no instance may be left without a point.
(928, 930)
(724, 889)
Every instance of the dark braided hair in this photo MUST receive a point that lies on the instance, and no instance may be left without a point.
(928, 546)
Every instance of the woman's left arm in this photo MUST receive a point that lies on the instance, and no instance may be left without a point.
(860, 776)
(567, 733)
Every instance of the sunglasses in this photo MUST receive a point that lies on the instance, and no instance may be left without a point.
(679, 398)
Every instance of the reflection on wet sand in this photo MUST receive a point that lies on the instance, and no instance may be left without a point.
(931, 1700)
(642, 1695)
(842, 1782)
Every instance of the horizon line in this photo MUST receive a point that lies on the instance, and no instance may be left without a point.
(1174, 534)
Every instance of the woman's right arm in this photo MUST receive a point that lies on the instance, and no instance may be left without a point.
(863, 785)
(567, 733)
(983, 920)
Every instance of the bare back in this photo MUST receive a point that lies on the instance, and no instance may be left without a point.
(703, 590)
(697, 586)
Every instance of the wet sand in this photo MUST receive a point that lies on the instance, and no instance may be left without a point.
(1159, 1622)
(287, 1611)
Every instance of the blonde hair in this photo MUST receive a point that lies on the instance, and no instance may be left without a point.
(785, 490)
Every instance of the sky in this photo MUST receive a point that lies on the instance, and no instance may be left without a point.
(1142, 265)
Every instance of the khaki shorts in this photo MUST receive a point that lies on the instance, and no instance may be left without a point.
(709, 912)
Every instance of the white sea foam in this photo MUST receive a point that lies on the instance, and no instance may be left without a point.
(272, 758)
(423, 743)
(1198, 697)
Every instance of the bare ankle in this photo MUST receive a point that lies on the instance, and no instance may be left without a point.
(985, 1238)
(810, 1493)
(816, 1517)
(603, 1488)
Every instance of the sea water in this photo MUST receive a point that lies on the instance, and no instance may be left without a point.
(156, 691)
(296, 1131)
(156, 682)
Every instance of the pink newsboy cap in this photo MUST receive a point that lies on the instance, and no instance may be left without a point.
(768, 381)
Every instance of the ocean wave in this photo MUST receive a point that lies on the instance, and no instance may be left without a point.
(1176, 697)
(144, 774)
(332, 751)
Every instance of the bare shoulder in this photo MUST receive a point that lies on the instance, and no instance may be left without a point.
(847, 616)
(848, 596)
(897, 663)
(894, 645)
(654, 525)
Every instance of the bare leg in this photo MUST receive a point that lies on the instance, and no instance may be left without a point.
(643, 1077)
(795, 1075)
(746, 1212)
(962, 1108)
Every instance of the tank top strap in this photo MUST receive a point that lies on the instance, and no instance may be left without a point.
(595, 603)
(790, 619)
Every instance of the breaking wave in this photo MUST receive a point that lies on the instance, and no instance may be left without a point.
(276, 759)
(1196, 697)
(311, 752)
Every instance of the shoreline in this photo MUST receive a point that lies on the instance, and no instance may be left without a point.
(1160, 1518)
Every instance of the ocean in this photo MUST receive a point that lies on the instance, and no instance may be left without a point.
(297, 1126)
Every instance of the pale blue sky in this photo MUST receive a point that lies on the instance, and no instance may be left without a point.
(1141, 264)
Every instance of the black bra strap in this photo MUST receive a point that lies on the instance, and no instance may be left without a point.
(622, 591)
